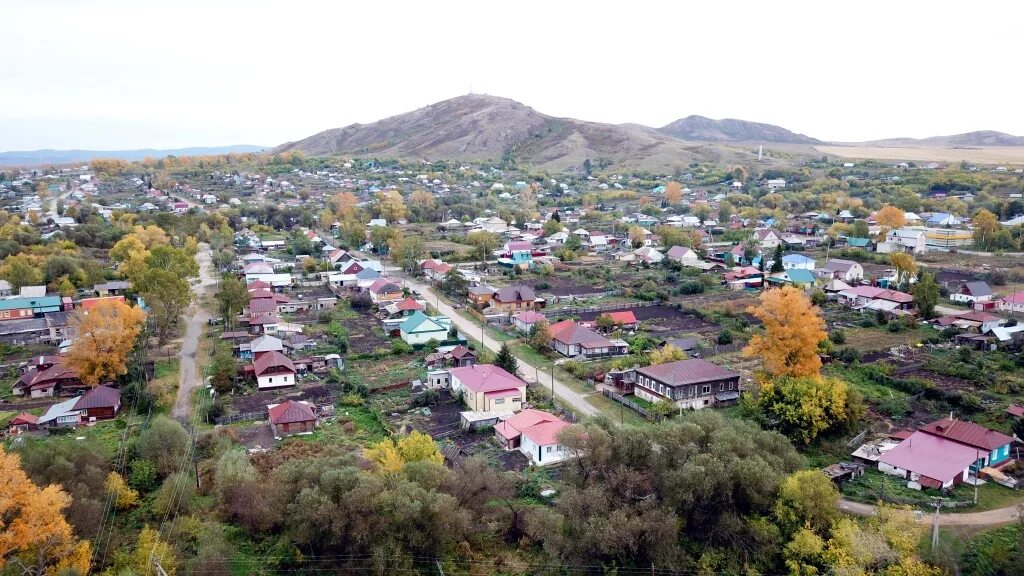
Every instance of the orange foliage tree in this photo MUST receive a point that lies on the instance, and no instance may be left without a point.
(673, 192)
(793, 327)
(104, 337)
(890, 217)
(33, 532)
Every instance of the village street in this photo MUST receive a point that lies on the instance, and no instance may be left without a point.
(576, 402)
(189, 376)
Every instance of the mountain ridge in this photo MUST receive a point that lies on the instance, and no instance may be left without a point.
(52, 156)
(696, 128)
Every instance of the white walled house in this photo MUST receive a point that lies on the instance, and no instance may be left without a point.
(273, 370)
(535, 434)
(972, 292)
(488, 388)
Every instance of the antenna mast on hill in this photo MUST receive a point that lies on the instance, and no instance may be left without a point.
(760, 152)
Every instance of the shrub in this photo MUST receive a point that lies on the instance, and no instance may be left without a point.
(894, 407)
(399, 346)
(894, 327)
(837, 337)
(867, 322)
(724, 337)
(848, 354)
(351, 399)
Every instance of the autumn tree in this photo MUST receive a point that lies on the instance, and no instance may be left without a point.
(803, 407)
(352, 232)
(124, 495)
(423, 199)
(674, 236)
(344, 204)
(665, 354)
(21, 270)
(392, 455)
(552, 226)
(164, 284)
(35, 537)
(105, 335)
(702, 210)
(905, 267)
(391, 205)
(739, 173)
(986, 226)
(636, 236)
(793, 327)
(889, 218)
(673, 193)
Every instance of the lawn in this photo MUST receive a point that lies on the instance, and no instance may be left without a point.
(869, 339)
(376, 373)
(615, 411)
(874, 484)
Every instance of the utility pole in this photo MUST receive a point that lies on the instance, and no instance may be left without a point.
(935, 525)
(977, 472)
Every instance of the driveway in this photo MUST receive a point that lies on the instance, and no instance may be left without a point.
(189, 376)
(565, 394)
(997, 517)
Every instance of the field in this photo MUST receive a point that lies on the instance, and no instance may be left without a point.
(980, 155)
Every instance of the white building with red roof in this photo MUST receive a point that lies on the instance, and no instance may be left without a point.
(487, 388)
(535, 434)
(571, 339)
(272, 370)
(1013, 302)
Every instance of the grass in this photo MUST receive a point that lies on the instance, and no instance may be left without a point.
(869, 339)
(874, 484)
(615, 411)
(384, 372)
(165, 368)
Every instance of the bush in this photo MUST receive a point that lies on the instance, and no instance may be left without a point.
(867, 322)
(848, 354)
(399, 346)
(724, 337)
(894, 407)
(351, 399)
(837, 337)
(691, 287)
(143, 475)
(894, 327)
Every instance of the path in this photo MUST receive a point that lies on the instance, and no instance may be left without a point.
(997, 517)
(189, 378)
(567, 395)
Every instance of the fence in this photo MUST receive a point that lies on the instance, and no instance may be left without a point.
(629, 404)
(573, 311)
(244, 417)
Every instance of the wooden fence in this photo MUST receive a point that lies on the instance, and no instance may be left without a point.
(244, 417)
(629, 404)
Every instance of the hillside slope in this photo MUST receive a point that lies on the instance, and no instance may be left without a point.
(980, 138)
(701, 129)
(480, 127)
(37, 157)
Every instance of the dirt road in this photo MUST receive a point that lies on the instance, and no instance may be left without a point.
(575, 401)
(189, 377)
(997, 517)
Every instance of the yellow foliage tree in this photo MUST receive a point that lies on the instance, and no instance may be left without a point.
(905, 266)
(422, 198)
(793, 327)
(105, 336)
(636, 236)
(673, 193)
(344, 205)
(391, 205)
(890, 217)
(667, 353)
(33, 531)
(391, 455)
(985, 226)
(124, 495)
(149, 548)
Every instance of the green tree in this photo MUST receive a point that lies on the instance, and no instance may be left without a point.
(163, 444)
(223, 368)
(233, 297)
(540, 335)
(777, 261)
(926, 295)
(803, 407)
(168, 295)
(483, 242)
(506, 360)
(860, 229)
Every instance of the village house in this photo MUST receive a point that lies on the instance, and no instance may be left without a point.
(846, 270)
(457, 357)
(682, 255)
(480, 296)
(797, 262)
(875, 298)
(974, 321)
(1013, 303)
(60, 415)
(624, 319)
(272, 370)
(291, 417)
(99, 403)
(692, 383)
(571, 339)
(767, 239)
(910, 240)
(525, 321)
(383, 291)
(515, 298)
(418, 329)
(973, 292)
(22, 423)
(488, 388)
(535, 434)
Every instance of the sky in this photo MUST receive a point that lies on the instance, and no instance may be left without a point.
(124, 74)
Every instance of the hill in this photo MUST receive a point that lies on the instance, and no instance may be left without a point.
(982, 138)
(480, 127)
(37, 157)
(701, 129)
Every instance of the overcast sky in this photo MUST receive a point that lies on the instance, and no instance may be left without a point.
(113, 74)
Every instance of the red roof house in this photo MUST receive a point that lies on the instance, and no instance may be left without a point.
(273, 370)
(535, 434)
(291, 417)
(99, 403)
(571, 339)
(22, 423)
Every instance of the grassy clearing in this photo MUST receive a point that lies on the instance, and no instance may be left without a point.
(873, 485)
(869, 339)
(615, 411)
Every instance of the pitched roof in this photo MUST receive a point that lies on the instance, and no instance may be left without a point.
(384, 285)
(258, 285)
(420, 322)
(99, 397)
(680, 252)
(486, 378)
(271, 360)
(53, 373)
(262, 306)
(839, 265)
(977, 288)
(266, 343)
(24, 418)
(570, 333)
(529, 317)
(931, 456)
(621, 316)
(408, 304)
(460, 352)
(291, 411)
(800, 276)
(967, 433)
(534, 424)
(515, 294)
(90, 303)
(1015, 298)
(60, 409)
(684, 372)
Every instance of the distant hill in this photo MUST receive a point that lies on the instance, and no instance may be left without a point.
(979, 138)
(701, 129)
(37, 157)
(480, 127)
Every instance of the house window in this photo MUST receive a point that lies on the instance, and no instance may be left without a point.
(517, 399)
(721, 386)
(707, 389)
(732, 385)
(270, 380)
(499, 400)
(549, 449)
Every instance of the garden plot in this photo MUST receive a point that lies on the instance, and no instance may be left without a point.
(562, 286)
(664, 320)
(362, 338)
(257, 402)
